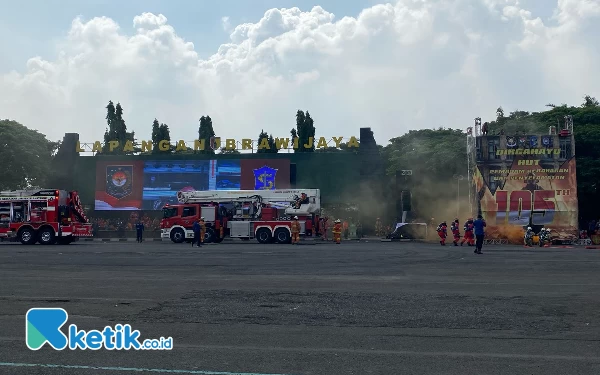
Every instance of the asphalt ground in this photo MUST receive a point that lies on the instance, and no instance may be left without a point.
(354, 308)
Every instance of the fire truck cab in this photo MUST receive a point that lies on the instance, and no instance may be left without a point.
(262, 214)
(46, 216)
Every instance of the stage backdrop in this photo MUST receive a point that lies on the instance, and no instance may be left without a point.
(547, 196)
(150, 184)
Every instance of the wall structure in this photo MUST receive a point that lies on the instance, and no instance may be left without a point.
(336, 174)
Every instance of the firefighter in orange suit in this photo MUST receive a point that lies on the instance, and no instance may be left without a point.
(442, 231)
(337, 231)
(295, 227)
(202, 230)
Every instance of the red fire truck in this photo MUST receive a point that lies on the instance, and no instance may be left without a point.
(262, 214)
(46, 216)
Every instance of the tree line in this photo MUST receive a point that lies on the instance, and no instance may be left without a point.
(116, 130)
(437, 156)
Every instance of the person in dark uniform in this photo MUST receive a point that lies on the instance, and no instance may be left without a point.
(139, 230)
(479, 229)
(196, 228)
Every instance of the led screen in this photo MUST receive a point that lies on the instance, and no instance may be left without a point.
(163, 179)
(150, 184)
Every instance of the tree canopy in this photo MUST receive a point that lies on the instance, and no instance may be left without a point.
(206, 132)
(159, 133)
(305, 129)
(116, 130)
(26, 156)
(264, 140)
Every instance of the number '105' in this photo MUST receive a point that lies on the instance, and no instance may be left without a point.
(524, 204)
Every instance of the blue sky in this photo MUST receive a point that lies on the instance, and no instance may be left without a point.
(28, 33)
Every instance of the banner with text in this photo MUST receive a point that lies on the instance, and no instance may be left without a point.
(528, 193)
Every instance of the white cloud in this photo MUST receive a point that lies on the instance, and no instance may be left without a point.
(415, 64)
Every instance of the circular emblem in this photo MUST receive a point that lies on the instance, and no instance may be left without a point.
(119, 179)
(546, 141)
(511, 142)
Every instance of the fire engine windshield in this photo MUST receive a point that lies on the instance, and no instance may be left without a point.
(169, 212)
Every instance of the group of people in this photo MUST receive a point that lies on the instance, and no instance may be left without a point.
(545, 237)
(474, 233)
(338, 228)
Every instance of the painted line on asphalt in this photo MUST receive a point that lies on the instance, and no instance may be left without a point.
(131, 369)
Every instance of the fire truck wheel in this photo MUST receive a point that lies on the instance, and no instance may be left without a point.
(282, 235)
(209, 236)
(263, 235)
(27, 236)
(177, 235)
(46, 236)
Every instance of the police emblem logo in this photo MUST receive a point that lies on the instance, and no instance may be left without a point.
(547, 141)
(533, 141)
(264, 178)
(511, 141)
(119, 180)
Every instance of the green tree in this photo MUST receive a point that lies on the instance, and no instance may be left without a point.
(294, 134)
(589, 101)
(299, 131)
(160, 132)
(206, 132)
(305, 128)
(116, 130)
(26, 156)
(270, 140)
(310, 131)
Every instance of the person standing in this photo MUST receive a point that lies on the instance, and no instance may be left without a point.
(202, 231)
(295, 227)
(139, 230)
(478, 228)
(196, 228)
(337, 231)
(324, 225)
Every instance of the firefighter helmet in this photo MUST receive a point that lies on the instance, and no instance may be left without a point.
(528, 228)
(295, 217)
(338, 221)
(202, 218)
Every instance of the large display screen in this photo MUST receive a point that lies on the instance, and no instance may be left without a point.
(150, 184)
(162, 180)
